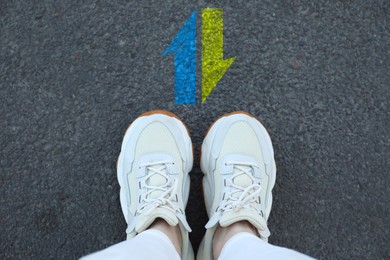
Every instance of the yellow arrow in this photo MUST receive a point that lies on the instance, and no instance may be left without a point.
(213, 64)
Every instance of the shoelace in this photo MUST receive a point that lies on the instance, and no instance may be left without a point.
(168, 190)
(247, 194)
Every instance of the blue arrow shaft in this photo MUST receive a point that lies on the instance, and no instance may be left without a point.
(183, 46)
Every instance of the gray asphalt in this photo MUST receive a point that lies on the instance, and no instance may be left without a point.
(74, 74)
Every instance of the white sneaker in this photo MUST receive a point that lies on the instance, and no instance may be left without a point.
(153, 173)
(239, 173)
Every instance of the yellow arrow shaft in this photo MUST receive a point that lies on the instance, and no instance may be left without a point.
(212, 34)
(213, 64)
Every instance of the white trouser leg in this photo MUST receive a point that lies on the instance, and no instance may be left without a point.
(249, 247)
(149, 245)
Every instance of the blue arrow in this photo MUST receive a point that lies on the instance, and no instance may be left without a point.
(183, 47)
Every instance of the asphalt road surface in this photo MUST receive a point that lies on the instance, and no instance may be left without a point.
(74, 74)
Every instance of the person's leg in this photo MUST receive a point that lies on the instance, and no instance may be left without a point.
(153, 172)
(224, 234)
(172, 232)
(150, 244)
(239, 174)
(247, 246)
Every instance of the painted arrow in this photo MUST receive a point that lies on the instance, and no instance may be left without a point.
(183, 46)
(213, 64)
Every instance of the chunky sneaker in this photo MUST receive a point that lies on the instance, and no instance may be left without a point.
(239, 173)
(153, 173)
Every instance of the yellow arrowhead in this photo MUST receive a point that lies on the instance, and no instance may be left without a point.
(213, 64)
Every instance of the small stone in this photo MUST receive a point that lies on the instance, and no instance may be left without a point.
(295, 64)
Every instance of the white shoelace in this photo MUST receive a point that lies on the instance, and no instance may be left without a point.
(245, 195)
(241, 196)
(168, 190)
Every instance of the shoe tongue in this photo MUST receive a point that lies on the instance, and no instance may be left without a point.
(145, 221)
(247, 214)
(157, 180)
(242, 180)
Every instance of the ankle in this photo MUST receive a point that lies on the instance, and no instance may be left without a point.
(223, 234)
(172, 232)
